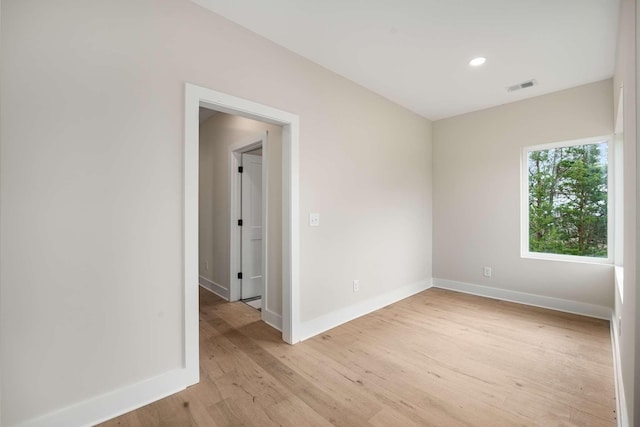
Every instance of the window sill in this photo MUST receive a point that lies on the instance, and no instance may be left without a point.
(567, 258)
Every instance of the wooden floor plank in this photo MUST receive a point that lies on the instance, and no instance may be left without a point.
(436, 358)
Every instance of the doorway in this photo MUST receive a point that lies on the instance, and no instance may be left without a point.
(249, 213)
(240, 219)
(252, 253)
(196, 97)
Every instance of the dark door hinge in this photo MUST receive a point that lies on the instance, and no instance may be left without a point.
(240, 222)
(240, 169)
(239, 275)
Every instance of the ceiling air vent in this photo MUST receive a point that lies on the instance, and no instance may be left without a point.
(523, 85)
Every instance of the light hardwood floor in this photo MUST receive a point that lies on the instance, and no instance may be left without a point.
(438, 358)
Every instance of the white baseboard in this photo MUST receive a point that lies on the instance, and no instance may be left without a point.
(217, 289)
(621, 402)
(568, 306)
(328, 321)
(109, 405)
(271, 318)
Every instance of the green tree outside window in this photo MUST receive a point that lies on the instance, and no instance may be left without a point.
(568, 200)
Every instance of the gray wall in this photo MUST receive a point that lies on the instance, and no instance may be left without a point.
(91, 175)
(476, 213)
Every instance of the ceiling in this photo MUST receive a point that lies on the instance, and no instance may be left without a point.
(416, 52)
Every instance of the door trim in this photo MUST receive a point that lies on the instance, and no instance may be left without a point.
(196, 96)
(235, 153)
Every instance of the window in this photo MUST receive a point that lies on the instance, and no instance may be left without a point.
(566, 202)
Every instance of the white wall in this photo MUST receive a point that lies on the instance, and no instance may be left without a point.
(216, 135)
(91, 176)
(625, 77)
(477, 193)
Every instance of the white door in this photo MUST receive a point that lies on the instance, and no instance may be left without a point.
(251, 230)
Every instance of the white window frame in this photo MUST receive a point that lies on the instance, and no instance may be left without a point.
(524, 201)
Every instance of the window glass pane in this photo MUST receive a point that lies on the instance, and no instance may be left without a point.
(568, 200)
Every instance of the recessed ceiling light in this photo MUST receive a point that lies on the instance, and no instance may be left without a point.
(476, 62)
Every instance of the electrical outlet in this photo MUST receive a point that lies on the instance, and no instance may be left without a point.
(314, 219)
(356, 285)
(486, 272)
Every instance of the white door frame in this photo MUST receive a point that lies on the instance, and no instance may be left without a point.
(196, 96)
(235, 154)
